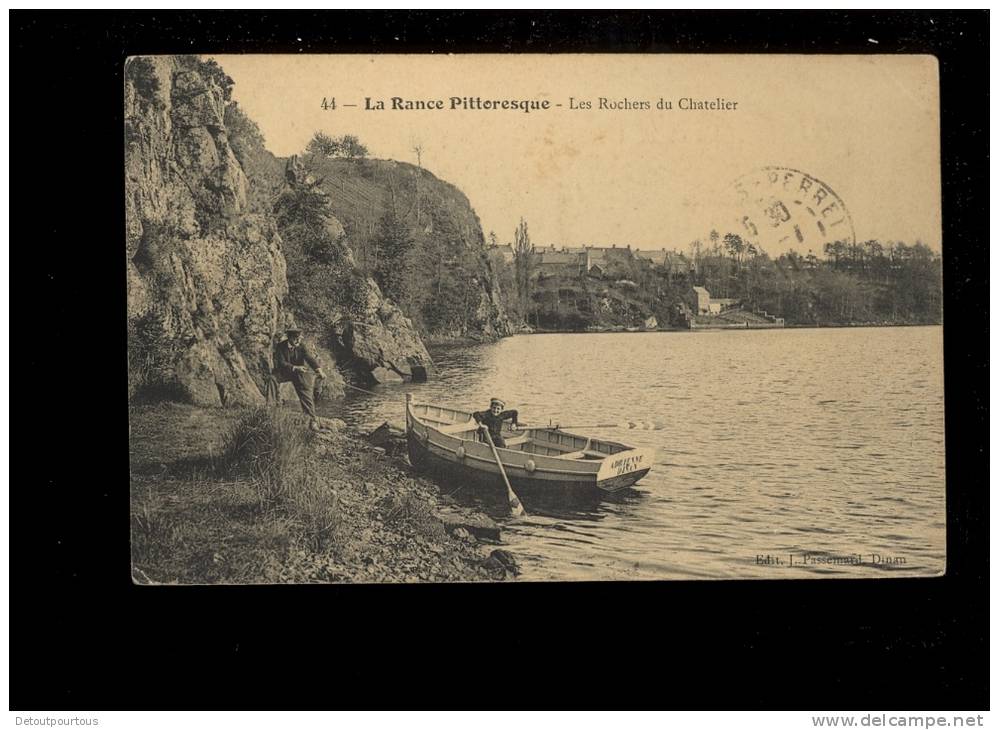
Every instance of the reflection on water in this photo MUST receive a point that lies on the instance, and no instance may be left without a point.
(820, 443)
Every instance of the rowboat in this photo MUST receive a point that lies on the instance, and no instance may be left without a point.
(541, 463)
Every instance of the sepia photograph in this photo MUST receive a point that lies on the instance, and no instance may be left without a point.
(454, 318)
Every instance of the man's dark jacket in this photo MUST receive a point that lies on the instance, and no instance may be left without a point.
(286, 356)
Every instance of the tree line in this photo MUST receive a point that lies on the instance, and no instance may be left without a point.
(870, 282)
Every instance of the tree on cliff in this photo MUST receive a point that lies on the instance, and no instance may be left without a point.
(523, 263)
(393, 245)
(351, 146)
(302, 212)
(211, 71)
(735, 246)
(323, 145)
(323, 283)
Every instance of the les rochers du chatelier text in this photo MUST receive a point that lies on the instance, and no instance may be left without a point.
(478, 103)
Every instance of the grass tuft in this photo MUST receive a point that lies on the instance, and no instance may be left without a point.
(410, 511)
(270, 448)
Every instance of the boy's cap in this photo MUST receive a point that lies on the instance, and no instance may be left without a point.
(496, 402)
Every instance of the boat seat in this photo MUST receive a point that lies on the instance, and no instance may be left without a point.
(583, 454)
(453, 428)
(517, 441)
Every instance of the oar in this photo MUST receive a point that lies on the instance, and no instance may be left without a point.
(516, 508)
(631, 425)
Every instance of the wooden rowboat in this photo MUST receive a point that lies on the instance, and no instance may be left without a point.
(540, 463)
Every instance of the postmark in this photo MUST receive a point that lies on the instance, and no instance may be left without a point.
(780, 208)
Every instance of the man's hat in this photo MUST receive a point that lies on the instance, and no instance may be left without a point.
(496, 402)
(293, 331)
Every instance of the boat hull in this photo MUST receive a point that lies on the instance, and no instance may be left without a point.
(542, 464)
(566, 490)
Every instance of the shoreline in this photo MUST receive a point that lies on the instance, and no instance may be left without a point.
(445, 343)
(383, 523)
(866, 325)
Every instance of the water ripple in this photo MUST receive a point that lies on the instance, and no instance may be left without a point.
(773, 441)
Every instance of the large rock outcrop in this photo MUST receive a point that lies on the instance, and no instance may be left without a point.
(383, 346)
(437, 215)
(443, 225)
(216, 271)
(206, 277)
(373, 341)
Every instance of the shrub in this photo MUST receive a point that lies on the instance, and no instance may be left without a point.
(154, 534)
(141, 72)
(153, 350)
(245, 137)
(410, 511)
(323, 145)
(268, 446)
(271, 448)
(315, 509)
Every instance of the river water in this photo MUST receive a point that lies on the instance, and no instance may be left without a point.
(791, 453)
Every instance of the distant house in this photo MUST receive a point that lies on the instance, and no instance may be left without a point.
(599, 257)
(593, 257)
(549, 262)
(596, 258)
(701, 302)
(670, 261)
(577, 260)
(656, 258)
(505, 251)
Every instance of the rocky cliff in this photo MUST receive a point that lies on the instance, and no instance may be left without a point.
(343, 308)
(449, 247)
(453, 289)
(226, 245)
(206, 277)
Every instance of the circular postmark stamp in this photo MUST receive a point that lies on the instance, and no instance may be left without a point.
(781, 208)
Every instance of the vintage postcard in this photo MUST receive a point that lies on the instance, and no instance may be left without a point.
(453, 318)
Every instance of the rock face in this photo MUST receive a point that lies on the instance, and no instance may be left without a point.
(372, 339)
(383, 345)
(441, 221)
(206, 278)
(211, 282)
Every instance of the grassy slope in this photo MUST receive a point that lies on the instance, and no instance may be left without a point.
(196, 522)
(362, 190)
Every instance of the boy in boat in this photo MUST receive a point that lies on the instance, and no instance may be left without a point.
(493, 420)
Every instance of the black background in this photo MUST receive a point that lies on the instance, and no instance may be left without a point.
(83, 637)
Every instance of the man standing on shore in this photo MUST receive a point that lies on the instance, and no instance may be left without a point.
(294, 362)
